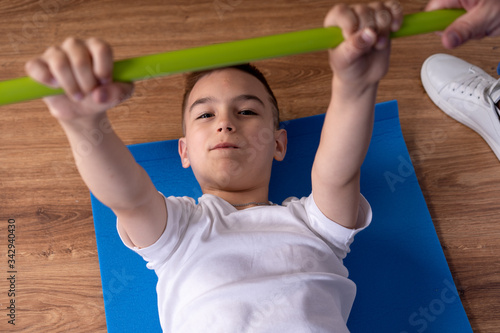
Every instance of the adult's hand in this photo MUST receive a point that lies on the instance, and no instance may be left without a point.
(482, 19)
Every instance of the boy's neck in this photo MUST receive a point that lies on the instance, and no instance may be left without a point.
(242, 199)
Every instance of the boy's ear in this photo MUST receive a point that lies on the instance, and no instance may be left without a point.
(183, 153)
(281, 139)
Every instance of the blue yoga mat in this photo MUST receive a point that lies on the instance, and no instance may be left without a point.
(404, 283)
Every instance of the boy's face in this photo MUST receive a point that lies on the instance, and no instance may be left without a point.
(230, 139)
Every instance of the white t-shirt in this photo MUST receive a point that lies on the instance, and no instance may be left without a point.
(261, 269)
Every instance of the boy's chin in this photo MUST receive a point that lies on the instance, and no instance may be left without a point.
(231, 183)
(231, 175)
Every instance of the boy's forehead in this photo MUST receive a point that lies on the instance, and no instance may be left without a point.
(227, 81)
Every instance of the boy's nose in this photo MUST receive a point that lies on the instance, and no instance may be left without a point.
(223, 128)
(225, 124)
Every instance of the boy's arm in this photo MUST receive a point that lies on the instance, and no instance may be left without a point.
(358, 64)
(83, 69)
(111, 173)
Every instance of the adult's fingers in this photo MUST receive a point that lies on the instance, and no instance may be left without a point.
(478, 22)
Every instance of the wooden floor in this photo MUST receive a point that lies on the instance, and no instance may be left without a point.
(57, 284)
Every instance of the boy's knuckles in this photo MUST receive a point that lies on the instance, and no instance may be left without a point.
(362, 10)
(343, 16)
(53, 51)
(33, 66)
(58, 61)
(103, 65)
(379, 16)
(396, 11)
(95, 41)
(394, 6)
(384, 20)
(71, 42)
(371, 21)
(37, 69)
(99, 48)
(366, 17)
(80, 61)
(59, 66)
(334, 13)
(358, 45)
(377, 6)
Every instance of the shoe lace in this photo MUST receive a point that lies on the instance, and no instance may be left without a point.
(472, 85)
(480, 87)
(494, 92)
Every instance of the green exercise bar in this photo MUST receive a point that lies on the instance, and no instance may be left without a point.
(230, 53)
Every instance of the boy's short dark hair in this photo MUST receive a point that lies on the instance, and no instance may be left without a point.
(192, 78)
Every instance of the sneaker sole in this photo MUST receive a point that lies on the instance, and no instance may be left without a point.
(450, 111)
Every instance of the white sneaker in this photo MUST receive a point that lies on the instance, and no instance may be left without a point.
(466, 93)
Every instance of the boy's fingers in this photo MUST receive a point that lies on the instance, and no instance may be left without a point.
(60, 68)
(39, 71)
(112, 94)
(366, 17)
(81, 63)
(441, 4)
(363, 40)
(396, 10)
(383, 18)
(102, 54)
(356, 46)
(343, 17)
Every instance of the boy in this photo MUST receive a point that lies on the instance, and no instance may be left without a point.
(235, 262)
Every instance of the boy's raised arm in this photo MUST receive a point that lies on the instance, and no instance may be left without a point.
(357, 64)
(83, 69)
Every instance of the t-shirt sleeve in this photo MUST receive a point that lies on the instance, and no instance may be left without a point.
(339, 237)
(178, 209)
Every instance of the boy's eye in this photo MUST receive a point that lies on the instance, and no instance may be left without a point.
(205, 115)
(247, 112)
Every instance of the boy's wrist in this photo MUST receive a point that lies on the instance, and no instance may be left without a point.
(98, 121)
(353, 90)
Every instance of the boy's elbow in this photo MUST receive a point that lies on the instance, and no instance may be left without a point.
(330, 177)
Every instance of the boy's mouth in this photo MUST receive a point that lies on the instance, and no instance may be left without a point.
(225, 145)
